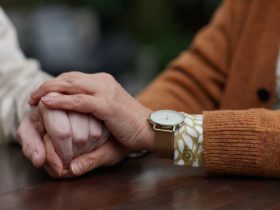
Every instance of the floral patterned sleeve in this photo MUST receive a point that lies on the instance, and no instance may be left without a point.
(188, 142)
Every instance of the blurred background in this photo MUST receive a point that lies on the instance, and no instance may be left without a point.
(133, 40)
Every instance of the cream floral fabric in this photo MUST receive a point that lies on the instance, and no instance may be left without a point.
(188, 142)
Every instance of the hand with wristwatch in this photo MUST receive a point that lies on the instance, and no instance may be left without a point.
(165, 123)
(122, 114)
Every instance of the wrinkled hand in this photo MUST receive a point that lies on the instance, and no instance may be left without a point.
(69, 135)
(101, 95)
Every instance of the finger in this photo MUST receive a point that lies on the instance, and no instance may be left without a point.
(105, 136)
(95, 134)
(36, 117)
(65, 174)
(110, 153)
(53, 165)
(80, 103)
(56, 85)
(59, 129)
(101, 140)
(80, 131)
(31, 142)
(71, 83)
(50, 170)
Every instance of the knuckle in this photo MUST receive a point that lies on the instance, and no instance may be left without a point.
(78, 99)
(112, 86)
(70, 79)
(113, 89)
(44, 87)
(107, 77)
(62, 133)
(79, 140)
(95, 134)
(91, 162)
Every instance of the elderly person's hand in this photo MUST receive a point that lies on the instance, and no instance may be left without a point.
(102, 96)
(66, 136)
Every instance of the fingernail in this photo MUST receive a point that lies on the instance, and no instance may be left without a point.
(58, 168)
(66, 173)
(36, 158)
(77, 168)
(47, 98)
(34, 94)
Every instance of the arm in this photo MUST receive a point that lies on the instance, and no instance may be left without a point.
(235, 142)
(19, 76)
(195, 80)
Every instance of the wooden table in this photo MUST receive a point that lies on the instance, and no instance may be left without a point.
(143, 183)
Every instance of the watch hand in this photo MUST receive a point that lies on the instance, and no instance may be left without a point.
(170, 116)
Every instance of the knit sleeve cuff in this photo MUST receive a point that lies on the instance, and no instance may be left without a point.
(231, 143)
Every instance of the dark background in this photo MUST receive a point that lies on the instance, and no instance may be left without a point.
(131, 39)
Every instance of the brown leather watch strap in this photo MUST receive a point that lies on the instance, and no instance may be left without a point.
(164, 144)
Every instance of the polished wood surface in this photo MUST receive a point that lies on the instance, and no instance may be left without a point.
(142, 183)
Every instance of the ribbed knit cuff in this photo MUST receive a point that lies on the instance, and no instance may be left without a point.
(231, 142)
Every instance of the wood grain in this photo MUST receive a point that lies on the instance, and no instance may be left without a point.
(143, 183)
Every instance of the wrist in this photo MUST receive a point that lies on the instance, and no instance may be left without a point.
(165, 123)
(147, 134)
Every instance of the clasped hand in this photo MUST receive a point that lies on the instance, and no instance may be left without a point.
(56, 139)
(86, 96)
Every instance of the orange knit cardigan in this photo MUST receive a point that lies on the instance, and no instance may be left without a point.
(228, 73)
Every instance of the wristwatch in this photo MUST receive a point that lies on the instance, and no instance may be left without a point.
(165, 123)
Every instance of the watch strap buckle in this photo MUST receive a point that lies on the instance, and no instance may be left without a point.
(156, 127)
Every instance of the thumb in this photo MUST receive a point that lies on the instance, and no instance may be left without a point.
(53, 165)
(109, 154)
(31, 142)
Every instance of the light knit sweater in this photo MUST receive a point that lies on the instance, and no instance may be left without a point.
(230, 70)
(19, 76)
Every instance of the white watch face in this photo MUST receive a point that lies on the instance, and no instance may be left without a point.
(167, 117)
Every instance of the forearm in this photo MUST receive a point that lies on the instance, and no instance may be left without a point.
(233, 142)
(19, 76)
(16, 86)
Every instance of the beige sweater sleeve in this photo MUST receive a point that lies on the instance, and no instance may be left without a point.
(19, 76)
